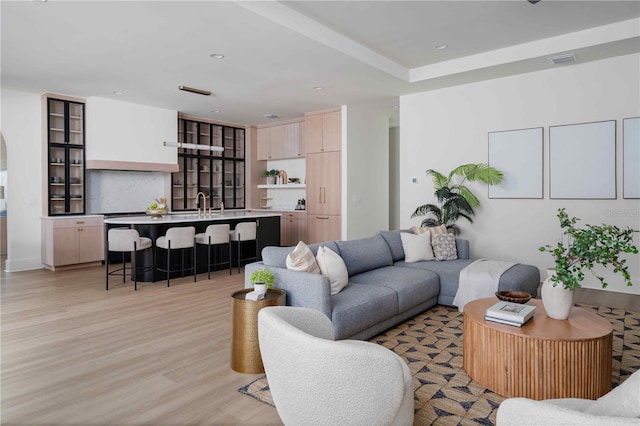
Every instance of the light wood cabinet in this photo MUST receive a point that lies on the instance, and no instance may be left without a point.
(323, 228)
(323, 131)
(281, 141)
(323, 183)
(72, 241)
(293, 228)
(294, 140)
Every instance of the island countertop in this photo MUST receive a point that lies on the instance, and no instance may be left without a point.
(187, 217)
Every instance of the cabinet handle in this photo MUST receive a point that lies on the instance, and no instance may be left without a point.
(322, 217)
(80, 222)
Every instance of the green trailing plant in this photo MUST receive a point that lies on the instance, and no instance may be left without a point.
(269, 173)
(455, 200)
(262, 276)
(583, 248)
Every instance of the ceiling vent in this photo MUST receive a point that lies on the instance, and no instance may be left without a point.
(270, 116)
(563, 59)
(192, 90)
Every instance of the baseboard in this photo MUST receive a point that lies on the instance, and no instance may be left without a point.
(17, 265)
(612, 299)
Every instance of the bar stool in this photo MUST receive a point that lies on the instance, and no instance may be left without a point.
(245, 231)
(215, 236)
(177, 239)
(125, 240)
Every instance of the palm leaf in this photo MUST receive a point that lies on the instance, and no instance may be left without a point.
(427, 209)
(485, 174)
(439, 180)
(468, 196)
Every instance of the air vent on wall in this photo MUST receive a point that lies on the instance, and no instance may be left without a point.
(563, 59)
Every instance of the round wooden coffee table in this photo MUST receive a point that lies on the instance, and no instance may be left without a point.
(545, 358)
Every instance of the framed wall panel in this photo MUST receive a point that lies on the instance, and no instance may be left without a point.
(631, 157)
(518, 155)
(582, 161)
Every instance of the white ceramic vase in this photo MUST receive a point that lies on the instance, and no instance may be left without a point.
(557, 301)
(260, 288)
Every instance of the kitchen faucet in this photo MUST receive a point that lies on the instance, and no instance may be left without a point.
(204, 203)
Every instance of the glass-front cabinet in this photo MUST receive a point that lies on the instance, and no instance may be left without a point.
(66, 142)
(218, 174)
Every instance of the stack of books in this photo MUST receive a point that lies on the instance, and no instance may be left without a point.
(510, 313)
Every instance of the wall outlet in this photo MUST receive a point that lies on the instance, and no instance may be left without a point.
(414, 180)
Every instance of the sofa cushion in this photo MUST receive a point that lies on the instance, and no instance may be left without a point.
(365, 254)
(413, 286)
(361, 306)
(277, 256)
(302, 259)
(417, 247)
(448, 272)
(444, 247)
(332, 266)
(393, 240)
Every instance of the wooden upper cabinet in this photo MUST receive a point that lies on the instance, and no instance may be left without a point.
(323, 183)
(294, 142)
(313, 133)
(281, 141)
(323, 132)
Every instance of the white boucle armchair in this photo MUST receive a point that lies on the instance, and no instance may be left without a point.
(315, 380)
(621, 406)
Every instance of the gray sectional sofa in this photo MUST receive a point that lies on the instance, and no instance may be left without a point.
(383, 289)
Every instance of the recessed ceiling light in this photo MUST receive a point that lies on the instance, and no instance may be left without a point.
(115, 92)
(215, 111)
(440, 46)
(318, 87)
(217, 56)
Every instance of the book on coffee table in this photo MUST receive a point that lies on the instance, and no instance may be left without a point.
(513, 313)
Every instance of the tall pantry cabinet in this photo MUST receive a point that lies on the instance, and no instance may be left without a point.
(323, 141)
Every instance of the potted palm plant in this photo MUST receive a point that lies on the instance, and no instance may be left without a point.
(262, 280)
(581, 249)
(455, 200)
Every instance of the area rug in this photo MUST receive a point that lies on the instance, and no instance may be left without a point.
(431, 345)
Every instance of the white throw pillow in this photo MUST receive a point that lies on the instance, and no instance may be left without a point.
(333, 267)
(416, 247)
(302, 259)
(622, 401)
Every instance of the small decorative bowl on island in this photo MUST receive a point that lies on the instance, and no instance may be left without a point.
(513, 296)
(156, 213)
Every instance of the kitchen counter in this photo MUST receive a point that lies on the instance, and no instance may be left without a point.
(188, 217)
(268, 234)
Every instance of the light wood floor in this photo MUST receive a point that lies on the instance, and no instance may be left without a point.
(75, 354)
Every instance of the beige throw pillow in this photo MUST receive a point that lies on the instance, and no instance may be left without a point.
(333, 267)
(302, 259)
(435, 230)
(444, 247)
(416, 247)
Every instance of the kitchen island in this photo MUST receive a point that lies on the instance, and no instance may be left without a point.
(268, 234)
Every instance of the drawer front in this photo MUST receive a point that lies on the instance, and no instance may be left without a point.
(76, 221)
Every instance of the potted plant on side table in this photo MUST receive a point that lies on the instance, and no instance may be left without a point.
(581, 249)
(262, 280)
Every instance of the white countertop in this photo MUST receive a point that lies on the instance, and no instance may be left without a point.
(72, 216)
(186, 217)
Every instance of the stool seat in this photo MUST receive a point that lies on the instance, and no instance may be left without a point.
(244, 231)
(178, 238)
(125, 240)
(214, 236)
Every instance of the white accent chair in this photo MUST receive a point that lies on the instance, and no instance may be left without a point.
(215, 236)
(244, 231)
(178, 238)
(621, 406)
(125, 240)
(315, 380)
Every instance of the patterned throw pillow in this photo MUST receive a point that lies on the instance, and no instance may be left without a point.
(444, 247)
(302, 259)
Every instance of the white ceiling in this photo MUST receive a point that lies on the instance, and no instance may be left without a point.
(276, 52)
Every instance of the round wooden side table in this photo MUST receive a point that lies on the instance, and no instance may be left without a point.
(245, 350)
(544, 359)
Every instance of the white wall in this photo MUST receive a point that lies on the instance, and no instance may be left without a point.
(366, 157)
(122, 131)
(444, 128)
(394, 178)
(21, 127)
